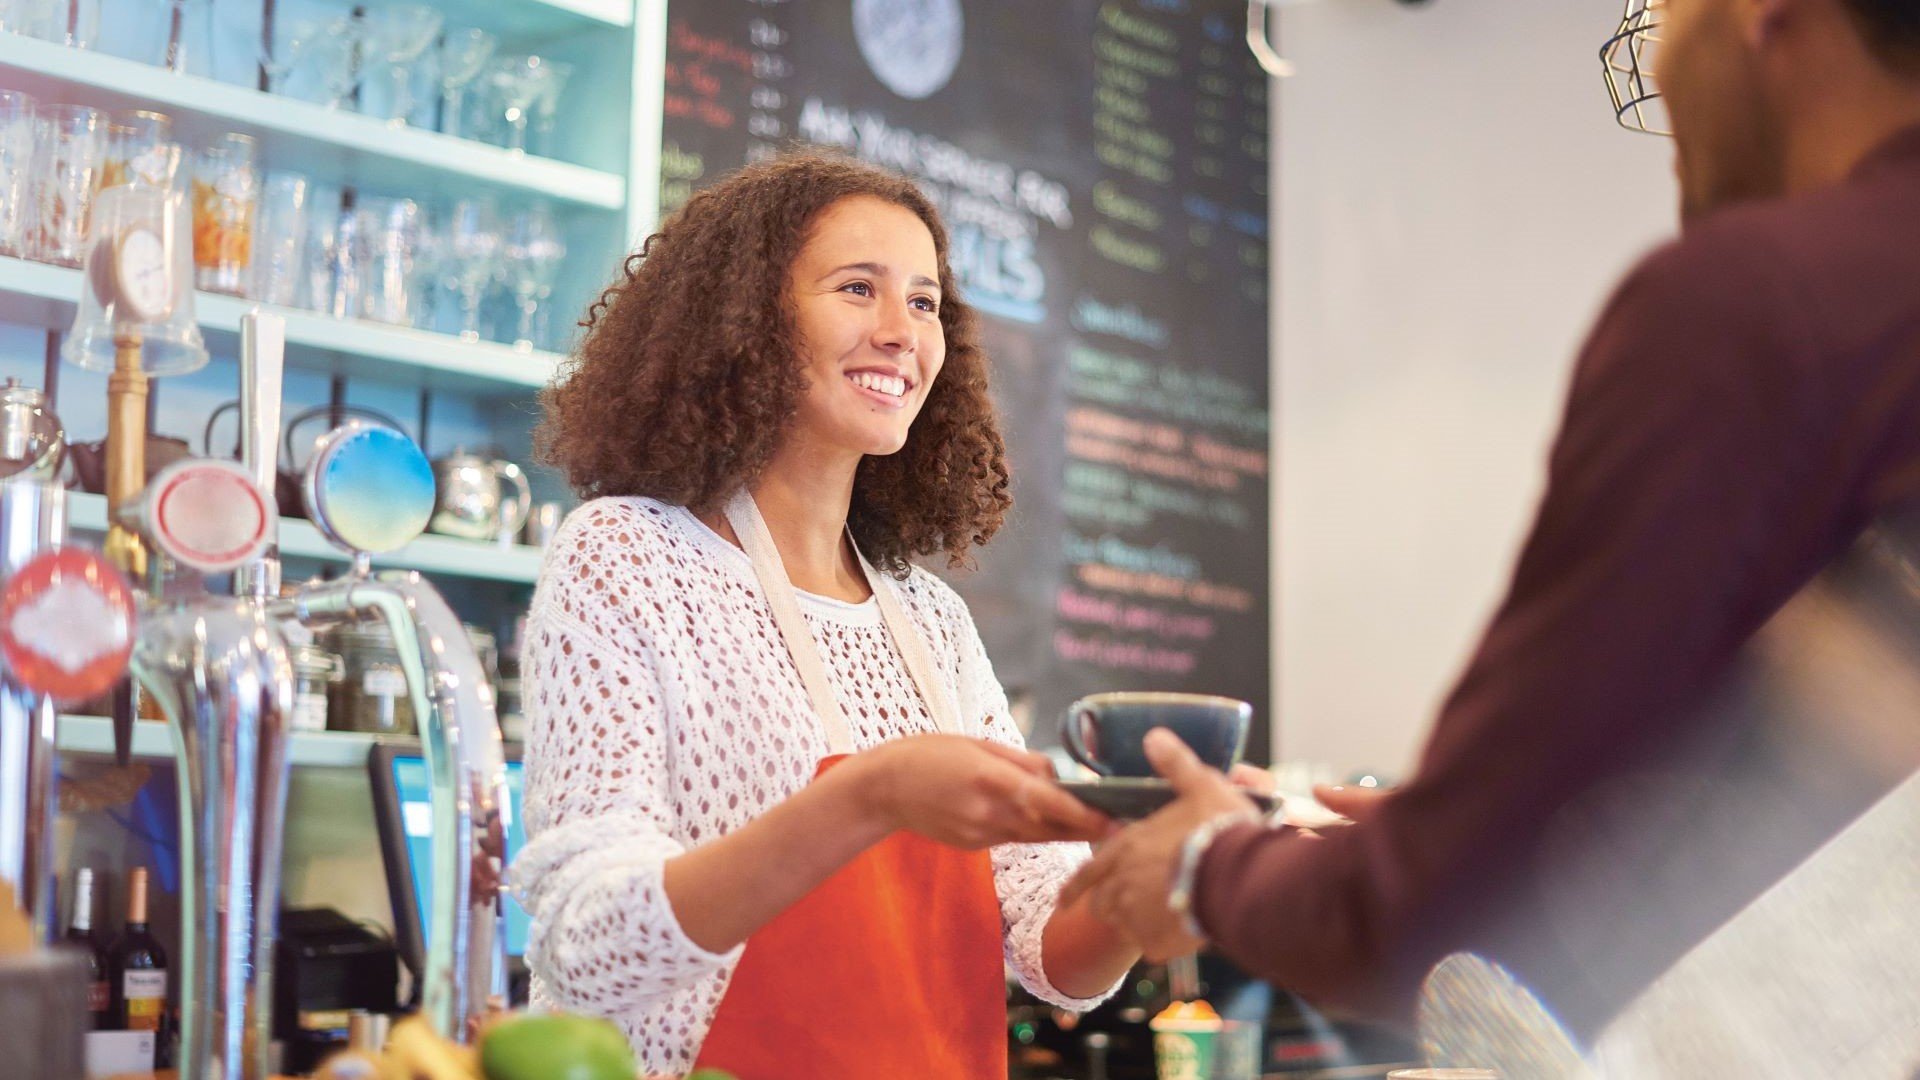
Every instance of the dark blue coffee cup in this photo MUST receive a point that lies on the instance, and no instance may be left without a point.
(1107, 732)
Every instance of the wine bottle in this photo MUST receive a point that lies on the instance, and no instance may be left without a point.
(137, 969)
(80, 937)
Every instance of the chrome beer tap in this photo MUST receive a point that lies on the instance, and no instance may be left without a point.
(218, 668)
(369, 489)
(32, 521)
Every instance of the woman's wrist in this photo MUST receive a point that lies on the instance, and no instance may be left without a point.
(859, 789)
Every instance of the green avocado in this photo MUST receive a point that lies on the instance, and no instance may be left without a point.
(710, 1074)
(555, 1047)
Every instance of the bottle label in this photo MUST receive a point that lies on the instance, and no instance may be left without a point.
(309, 712)
(383, 682)
(97, 996)
(146, 994)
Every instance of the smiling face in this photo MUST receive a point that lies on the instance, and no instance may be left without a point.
(866, 298)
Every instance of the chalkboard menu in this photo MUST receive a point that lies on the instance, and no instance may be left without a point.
(1103, 169)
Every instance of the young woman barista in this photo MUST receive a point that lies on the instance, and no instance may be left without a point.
(780, 820)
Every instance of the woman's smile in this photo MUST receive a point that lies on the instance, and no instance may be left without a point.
(886, 390)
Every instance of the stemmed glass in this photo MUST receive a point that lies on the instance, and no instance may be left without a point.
(469, 253)
(397, 36)
(546, 106)
(336, 59)
(534, 252)
(278, 64)
(463, 54)
(517, 81)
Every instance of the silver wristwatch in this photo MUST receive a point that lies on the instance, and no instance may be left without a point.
(1192, 850)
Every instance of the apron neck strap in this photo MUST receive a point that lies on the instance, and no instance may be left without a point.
(748, 524)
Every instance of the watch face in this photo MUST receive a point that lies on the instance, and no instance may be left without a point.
(140, 275)
(912, 46)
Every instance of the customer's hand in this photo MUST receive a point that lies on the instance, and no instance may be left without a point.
(1130, 879)
(971, 793)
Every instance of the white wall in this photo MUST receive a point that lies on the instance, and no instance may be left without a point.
(1454, 203)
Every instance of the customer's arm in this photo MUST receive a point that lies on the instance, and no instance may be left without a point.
(1684, 505)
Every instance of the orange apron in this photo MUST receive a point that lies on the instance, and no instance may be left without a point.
(891, 968)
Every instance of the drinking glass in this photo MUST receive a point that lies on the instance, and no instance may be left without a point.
(469, 254)
(27, 17)
(188, 44)
(463, 54)
(70, 143)
(340, 283)
(534, 252)
(335, 56)
(390, 228)
(279, 252)
(516, 82)
(140, 149)
(546, 106)
(68, 22)
(16, 169)
(279, 61)
(226, 194)
(395, 38)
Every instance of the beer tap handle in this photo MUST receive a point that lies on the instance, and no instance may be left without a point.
(263, 341)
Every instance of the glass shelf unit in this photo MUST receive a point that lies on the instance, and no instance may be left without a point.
(151, 742)
(36, 294)
(441, 555)
(330, 145)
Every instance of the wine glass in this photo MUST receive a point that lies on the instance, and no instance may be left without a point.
(336, 60)
(296, 45)
(463, 54)
(534, 252)
(546, 106)
(397, 36)
(517, 82)
(469, 253)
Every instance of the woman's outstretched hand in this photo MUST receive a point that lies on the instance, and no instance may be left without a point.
(970, 793)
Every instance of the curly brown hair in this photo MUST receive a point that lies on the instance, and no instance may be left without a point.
(688, 379)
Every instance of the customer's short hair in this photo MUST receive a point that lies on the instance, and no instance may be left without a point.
(1892, 30)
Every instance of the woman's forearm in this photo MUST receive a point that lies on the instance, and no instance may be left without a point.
(724, 890)
(1084, 956)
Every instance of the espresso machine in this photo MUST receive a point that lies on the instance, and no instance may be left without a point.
(217, 664)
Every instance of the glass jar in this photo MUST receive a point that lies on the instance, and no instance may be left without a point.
(140, 148)
(16, 168)
(225, 194)
(316, 672)
(371, 696)
(70, 145)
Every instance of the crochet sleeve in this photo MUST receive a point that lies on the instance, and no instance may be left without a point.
(1027, 877)
(599, 813)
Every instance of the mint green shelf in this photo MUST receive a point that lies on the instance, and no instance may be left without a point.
(319, 749)
(517, 564)
(328, 144)
(40, 295)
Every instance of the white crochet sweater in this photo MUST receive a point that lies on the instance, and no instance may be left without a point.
(663, 711)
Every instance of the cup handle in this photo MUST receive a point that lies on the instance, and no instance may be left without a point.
(1071, 726)
(522, 502)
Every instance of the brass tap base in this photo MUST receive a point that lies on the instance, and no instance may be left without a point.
(126, 454)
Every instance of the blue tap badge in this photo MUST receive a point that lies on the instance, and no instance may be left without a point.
(369, 488)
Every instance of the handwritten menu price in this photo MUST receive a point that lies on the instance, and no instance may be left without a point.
(1102, 167)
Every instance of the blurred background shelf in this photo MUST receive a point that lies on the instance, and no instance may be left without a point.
(430, 554)
(330, 145)
(42, 295)
(320, 749)
(542, 18)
